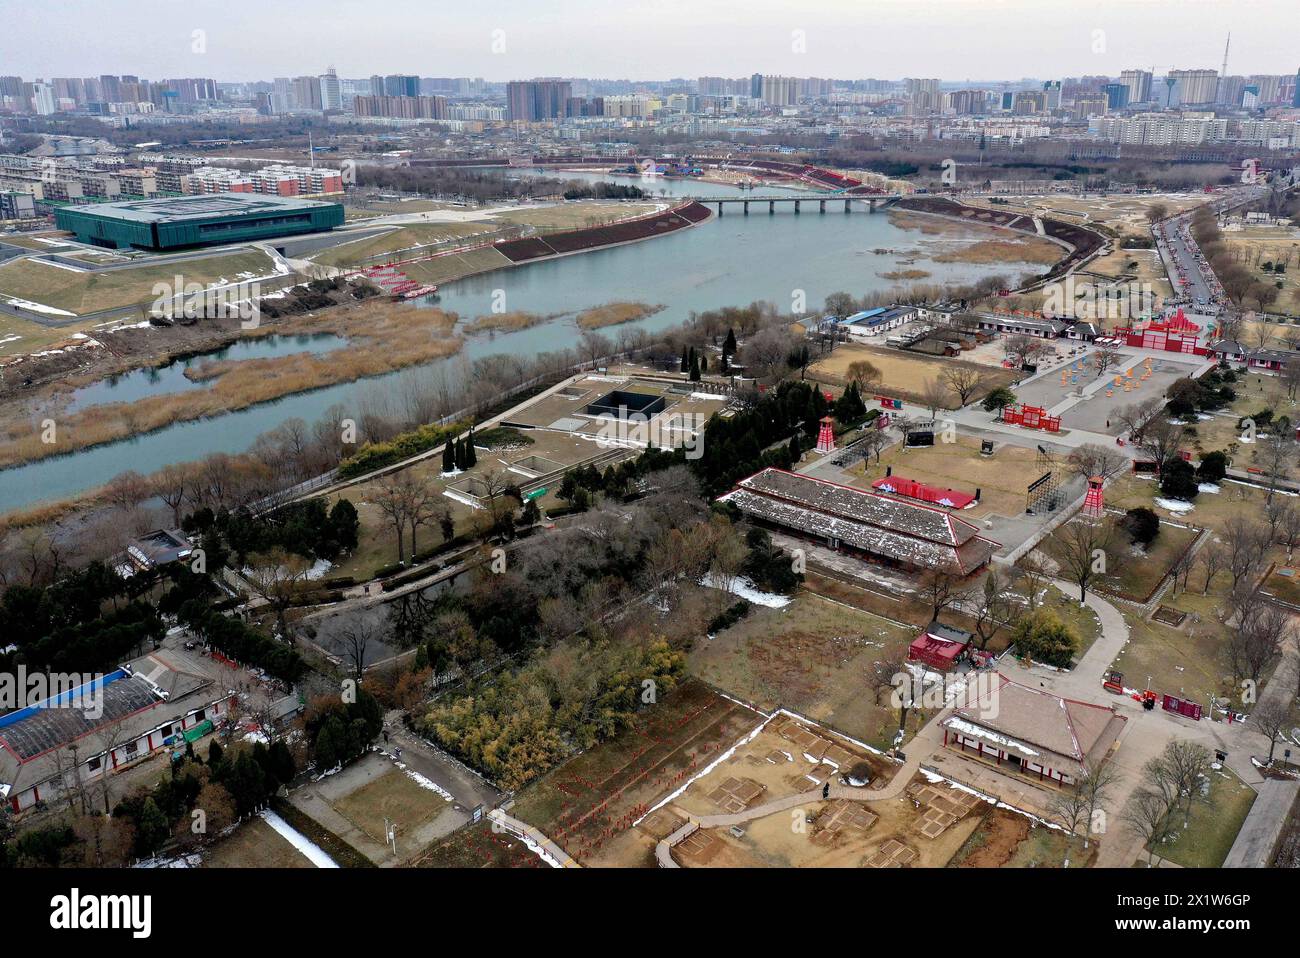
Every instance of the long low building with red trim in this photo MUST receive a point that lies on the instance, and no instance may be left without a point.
(876, 526)
(1034, 732)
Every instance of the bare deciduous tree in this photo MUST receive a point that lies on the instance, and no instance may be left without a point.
(1084, 548)
(963, 381)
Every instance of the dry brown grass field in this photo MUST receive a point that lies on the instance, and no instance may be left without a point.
(1001, 478)
(902, 375)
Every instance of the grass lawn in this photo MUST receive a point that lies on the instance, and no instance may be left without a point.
(1188, 661)
(1213, 825)
(255, 844)
(393, 795)
(444, 269)
(814, 656)
(1285, 587)
(1255, 392)
(90, 291)
(1001, 478)
(1254, 246)
(1210, 510)
(1083, 620)
(409, 240)
(34, 336)
(1139, 572)
(575, 215)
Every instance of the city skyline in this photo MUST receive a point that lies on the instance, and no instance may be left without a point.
(240, 42)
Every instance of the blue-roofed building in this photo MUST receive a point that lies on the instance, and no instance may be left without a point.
(871, 323)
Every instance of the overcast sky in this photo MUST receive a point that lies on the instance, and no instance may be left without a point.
(642, 39)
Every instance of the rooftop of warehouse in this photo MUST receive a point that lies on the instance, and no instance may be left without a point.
(180, 208)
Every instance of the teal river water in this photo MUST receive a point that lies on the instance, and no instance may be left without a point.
(727, 261)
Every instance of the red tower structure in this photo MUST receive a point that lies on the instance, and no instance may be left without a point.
(1094, 501)
(826, 436)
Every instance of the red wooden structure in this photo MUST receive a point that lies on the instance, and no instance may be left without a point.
(1032, 417)
(1178, 335)
(911, 489)
(1094, 502)
(826, 436)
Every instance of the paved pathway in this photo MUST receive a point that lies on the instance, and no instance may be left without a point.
(554, 855)
(812, 796)
(1263, 825)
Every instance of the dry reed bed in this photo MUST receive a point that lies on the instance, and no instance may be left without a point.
(614, 314)
(383, 337)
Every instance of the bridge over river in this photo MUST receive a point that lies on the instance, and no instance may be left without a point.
(873, 200)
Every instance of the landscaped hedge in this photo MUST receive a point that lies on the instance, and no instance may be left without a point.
(377, 455)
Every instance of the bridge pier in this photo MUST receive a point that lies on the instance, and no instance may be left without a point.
(771, 207)
(746, 206)
(719, 207)
(821, 206)
(848, 206)
(796, 206)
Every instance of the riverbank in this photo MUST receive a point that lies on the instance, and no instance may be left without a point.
(382, 338)
(732, 260)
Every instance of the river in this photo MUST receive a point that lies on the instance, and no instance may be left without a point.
(731, 260)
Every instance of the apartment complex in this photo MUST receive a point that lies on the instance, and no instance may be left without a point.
(532, 101)
(402, 107)
(274, 180)
(1159, 129)
(50, 178)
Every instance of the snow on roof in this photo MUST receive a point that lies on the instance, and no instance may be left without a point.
(862, 505)
(1073, 734)
(907, 532)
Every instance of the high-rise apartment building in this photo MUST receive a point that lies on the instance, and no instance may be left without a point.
(306, 93)
(531, 101)
(1194, 87)
(331, 94)
(1138, 83)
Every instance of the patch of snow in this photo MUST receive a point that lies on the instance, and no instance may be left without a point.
(746, 590)
(416, 777)
(1209, 487)
(36, 307)
(309, 849)
(1174, 505)
(463, 499)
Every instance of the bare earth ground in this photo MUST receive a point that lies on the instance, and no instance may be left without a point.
(588, 804)
(813, 656)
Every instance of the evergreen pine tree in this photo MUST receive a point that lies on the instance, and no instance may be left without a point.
(449, 456)
(151, 827)
(695, 367)
(686, 360)
(471, 457)
(729, 346)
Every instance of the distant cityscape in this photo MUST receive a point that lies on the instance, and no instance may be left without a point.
(1140, 107)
